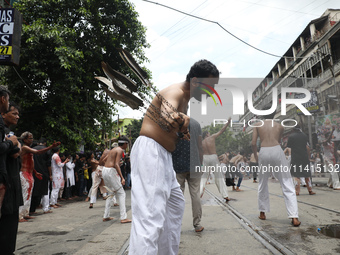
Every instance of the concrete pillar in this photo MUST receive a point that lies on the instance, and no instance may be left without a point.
(302, 42)
(279, 68)
(286, 63)
(312, 30)
(294, 52)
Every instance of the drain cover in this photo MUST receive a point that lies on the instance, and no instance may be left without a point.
(332, 230)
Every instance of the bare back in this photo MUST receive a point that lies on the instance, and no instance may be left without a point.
(114, 157)
(270, 133)
(175, 96)
(209, 146)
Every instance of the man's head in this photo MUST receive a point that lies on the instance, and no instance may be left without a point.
(11, 117)
(297, 128)
(55, 149)
(202, 72)
(123, 142)
(42, 141)
(4, 99)
(27, 138)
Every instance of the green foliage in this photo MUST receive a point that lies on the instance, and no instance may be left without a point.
(135, 127)
(63, 44)
(229, 141)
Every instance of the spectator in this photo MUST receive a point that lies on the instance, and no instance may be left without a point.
(42, 163)
(13, 197)
(26, 172)
(57, 176)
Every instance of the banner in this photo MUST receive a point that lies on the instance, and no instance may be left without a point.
(312, 105)
(10, 36)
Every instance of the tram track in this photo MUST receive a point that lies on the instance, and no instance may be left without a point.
(257, 232)
(301, 202)
(265, 239)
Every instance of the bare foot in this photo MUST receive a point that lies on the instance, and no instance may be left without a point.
(227, 199)
(49, 211)
(311, 193)
(125, 221)
(116, 204)
(238, 189)
(23, 220)
(54, 206)
(296, 222)
(59, 205)
(337, 189)
(107, 219)
(87, 199)
(262, 216)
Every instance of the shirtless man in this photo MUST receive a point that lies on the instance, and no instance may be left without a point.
(271, 155)
(97, 180)
(234, 161)
(157, 201)
(210, 158)
(26, 173)
(114, 180)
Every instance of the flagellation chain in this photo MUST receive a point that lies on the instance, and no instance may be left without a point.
(160, 115)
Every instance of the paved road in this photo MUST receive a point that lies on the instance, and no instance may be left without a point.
(76, 229)
(67, 229)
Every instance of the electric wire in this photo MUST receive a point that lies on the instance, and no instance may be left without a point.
(26, 83)
(215, 22)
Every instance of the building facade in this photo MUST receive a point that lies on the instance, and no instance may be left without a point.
(311, 62)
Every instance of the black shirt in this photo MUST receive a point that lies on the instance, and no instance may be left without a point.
(299, 156)
(186, 156)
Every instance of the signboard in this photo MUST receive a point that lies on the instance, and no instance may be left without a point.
(10, 36)
(312, 105)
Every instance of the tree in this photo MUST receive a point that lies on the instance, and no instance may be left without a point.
(228, 141)
(134, 129)
(63, 44)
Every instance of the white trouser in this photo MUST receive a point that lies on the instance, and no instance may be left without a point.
(54, 196)
(157, 201)
(270, 157)
(333, 180)
(114, 186)
(97, 182)
(27, 183)
(212, 161)
(45, 200)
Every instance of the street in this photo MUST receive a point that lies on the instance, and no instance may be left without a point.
(233, 228)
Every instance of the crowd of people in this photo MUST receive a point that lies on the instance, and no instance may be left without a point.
(34, 175)
(162, 161)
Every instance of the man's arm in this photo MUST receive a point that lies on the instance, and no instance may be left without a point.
(172, 111)
(222, 129)
(26, 149)
(253, 143)
(117, 165)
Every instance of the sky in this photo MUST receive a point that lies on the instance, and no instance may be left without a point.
(178, 41)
